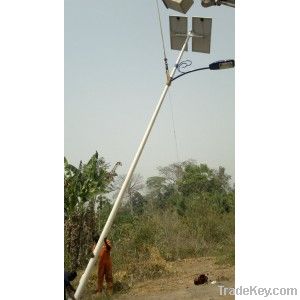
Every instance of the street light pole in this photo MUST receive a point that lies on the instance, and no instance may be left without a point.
(199, 47)
(109, 222)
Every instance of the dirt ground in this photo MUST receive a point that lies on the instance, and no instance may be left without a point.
(179, 284)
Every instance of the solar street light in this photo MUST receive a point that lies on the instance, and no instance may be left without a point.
(179, 35)
(201, 37)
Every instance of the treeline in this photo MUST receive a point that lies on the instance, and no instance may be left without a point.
(187, 210)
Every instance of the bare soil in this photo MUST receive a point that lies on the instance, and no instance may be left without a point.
(179, 284)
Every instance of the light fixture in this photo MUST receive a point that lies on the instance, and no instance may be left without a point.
(222, 64)
(208, 3)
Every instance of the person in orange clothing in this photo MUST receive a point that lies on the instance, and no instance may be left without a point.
(104, 266)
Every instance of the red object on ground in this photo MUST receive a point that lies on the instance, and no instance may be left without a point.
(201, 279)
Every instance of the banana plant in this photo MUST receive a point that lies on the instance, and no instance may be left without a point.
(84, 183)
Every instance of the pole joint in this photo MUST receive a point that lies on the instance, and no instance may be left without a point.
(167, 72)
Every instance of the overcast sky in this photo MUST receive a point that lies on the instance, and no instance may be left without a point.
(114, 75)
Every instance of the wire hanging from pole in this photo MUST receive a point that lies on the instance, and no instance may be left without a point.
(174, 131)
(163, 44)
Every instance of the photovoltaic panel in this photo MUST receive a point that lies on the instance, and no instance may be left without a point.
(178, 32)
(181, 6)
(201, 28)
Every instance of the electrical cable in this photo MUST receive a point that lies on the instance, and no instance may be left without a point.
(174, 131)
(168, 79)
(163, 42)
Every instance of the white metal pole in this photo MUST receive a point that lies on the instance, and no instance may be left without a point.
(109, 222)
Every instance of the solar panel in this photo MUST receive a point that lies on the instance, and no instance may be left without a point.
(178, 32)
(201, 37)
(179, 5)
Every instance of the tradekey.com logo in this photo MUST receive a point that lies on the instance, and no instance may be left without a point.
(257, 291)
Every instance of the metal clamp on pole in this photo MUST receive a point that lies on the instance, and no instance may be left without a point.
(167, 72)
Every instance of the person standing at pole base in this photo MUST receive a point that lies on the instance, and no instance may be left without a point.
(104, 266)
(68, 288)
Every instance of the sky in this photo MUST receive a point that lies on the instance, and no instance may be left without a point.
(114, 75)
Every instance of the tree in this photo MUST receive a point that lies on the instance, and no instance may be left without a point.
(81, 186)
(156, 185)
(212, 185)
(196, 179)
(137, 201)
(135, 185)
(159, 190)
(85, 182)
(173, 172)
